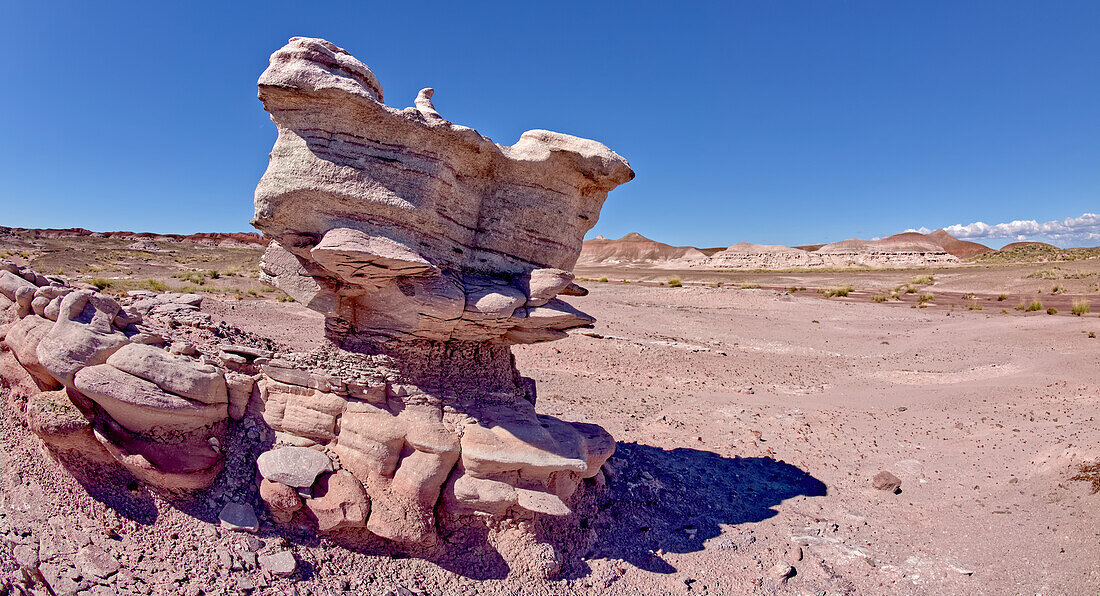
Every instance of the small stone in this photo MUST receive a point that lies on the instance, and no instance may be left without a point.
(781, 570)
(182, 349)
(96, 562)
(26, 555)
(253, 544)
(239, 517)
(281, 563)
(886, 481)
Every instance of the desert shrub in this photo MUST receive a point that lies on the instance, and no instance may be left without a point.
(1089, 473)
(1080, 307)
(602, 280)
(880, 298)
(910, 290)
(214, 274)
(1043, 274)
(154, 285)
(1035, 305)
(969, 296)
(285, 298)
(253, 293)
(100, 283)
(675, 282)
(1052, 311)
(1058, 289)
(750, 287)
(1092, 335)
(973, 306)
(923, 280)
(923, 298)
(1002, 297)
(842, 291)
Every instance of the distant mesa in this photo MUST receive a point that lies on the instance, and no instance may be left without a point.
(1019, 245)
(908, 249)
(963, 249)
(223, 239)
(635, 250)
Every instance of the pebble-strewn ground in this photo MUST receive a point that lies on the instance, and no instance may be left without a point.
(750, 426)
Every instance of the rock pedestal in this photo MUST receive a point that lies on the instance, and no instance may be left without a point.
(431, 250)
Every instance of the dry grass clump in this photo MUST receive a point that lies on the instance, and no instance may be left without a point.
(974, 306)
(923, 298)
(923, 280)
(840, 292)
(1080, 307)
(675, 283)
(1043, 274)
(1032, 307)
(1089, 473)
(1052, 311)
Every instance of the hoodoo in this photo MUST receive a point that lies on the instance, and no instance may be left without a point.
(430, 250)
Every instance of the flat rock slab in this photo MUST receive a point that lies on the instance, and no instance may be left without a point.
(293, 466)
(281, 563)
(239, 517)
(95, 562)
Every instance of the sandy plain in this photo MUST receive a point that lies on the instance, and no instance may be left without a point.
(750, 423)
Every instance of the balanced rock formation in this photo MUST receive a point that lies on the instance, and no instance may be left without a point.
(430, 250)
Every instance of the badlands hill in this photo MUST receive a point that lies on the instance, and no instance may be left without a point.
(226, 239)
(964, 249)
(635, 250)
(908, 249)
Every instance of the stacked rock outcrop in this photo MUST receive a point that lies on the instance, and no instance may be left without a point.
(431, 251)
(109, 390)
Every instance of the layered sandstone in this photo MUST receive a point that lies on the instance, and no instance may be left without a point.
(430, 250)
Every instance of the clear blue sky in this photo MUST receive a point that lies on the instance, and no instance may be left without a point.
(759, 121)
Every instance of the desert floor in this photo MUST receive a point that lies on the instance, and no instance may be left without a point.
(750, 424)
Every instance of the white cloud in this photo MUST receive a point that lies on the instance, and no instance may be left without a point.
(1072, 229)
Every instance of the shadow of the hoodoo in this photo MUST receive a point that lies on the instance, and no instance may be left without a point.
(674, 500)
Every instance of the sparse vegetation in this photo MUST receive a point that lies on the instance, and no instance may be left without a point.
(602, 280)
(1058, 289)
(880, 298)
(840, 292)
(923, 280)
(285, 298)
(675, 282)
(1034, 306)
(1002, 297)
(154, 285)
(1080, 307)
(100, 283)
(750, 287)
(973, 306)
(1043, 274)
(925, 298)
(1089, 472)
(1052, 311)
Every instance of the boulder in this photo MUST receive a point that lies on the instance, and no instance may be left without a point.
(293, 466)
(174, 374)
(338, 502)
(83, 335)
(141, 406)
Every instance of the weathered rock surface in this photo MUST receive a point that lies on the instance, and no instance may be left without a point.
(429, 249)
(394, 222)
